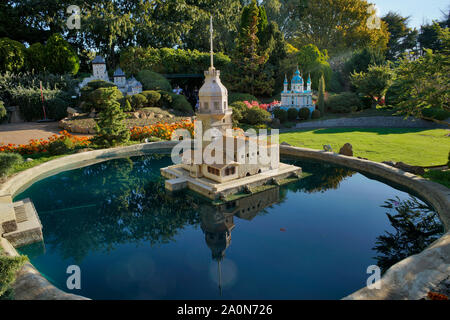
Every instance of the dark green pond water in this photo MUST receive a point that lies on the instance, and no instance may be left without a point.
(311, 239)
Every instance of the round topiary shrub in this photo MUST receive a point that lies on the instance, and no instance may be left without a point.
(180, 103)
(7, 161)
(152, 97)
(236, 96)
(166, 99)
(303, 114)
(256, 116)
(315, 114)
(153, 81)
(138, 101)
(99, 98)
(280, 114)
(239, 111)
(60, 146)
(292, 114)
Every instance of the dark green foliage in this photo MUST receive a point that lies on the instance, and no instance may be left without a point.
(237, 96)
(2, 110)
(280, 114)
(256, 116)
(315, 114)
(8, 269)
(153, 81)
(60, 146)
(134, 60)
(110, 127)
(337, 82)
(362, 59)
(180, 103)
(7, 161)
(239, 112)
(12, 55)
(436, 113)
(152, 97)
(343, 103)
(96, 99)
(60, 56)
(166, 99)
(304, 113)
(402, 38)
(36, 57)
(138, 101)
(321, 102)
(292, 114)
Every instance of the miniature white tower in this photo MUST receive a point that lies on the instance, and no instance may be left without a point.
(213, 96)
(119, 78)
(286, 83)
(297, 82)
(99, 69)
(308, 84)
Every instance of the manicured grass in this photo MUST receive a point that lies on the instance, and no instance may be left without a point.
(439, 176)
(412, 146)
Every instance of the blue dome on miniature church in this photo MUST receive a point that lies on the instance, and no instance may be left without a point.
(297, 78)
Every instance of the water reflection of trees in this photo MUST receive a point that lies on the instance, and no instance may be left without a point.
(112, 203)
(319, 177)
(416, 226)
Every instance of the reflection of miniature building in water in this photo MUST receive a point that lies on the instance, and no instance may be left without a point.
(217, 221)
(238, 162)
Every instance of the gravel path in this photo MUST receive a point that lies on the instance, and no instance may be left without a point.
(371, 122)
(22, 133)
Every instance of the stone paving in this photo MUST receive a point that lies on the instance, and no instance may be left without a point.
(371, 122)
(22, 133)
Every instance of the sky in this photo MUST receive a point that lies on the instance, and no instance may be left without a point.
(420, 10)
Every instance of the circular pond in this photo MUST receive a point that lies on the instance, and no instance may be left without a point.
(311, 239)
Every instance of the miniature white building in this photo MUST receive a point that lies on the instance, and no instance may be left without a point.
(237, 158)
(297, 97)
(99, 72)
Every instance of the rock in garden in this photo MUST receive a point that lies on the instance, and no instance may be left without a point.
(136, 115)
(29, 160)
(347, 150)
(71, 111)
(159, 116)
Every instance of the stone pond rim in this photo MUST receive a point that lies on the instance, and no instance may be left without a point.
(411, 278)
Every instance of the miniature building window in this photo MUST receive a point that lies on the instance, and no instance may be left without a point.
(206, 106)
(225, 105)
(216, 105)
(230, 171)
(214, 171)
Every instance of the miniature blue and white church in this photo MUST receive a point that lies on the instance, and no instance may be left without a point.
(297, 97)
(126, 86)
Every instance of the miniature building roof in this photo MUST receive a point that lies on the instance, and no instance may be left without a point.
(297, 78)
(119, 73)
(98, 60)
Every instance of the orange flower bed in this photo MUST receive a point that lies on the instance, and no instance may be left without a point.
(41, 145)
(160, 130)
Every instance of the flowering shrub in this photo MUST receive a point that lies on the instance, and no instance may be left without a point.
(264, 106)
(41, 145)
(160, 130)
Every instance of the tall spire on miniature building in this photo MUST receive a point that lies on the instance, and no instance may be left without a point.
(308, 84)
(214, 111)
(286, 83)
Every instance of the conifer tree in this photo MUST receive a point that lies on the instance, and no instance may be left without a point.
(110, 126)
(321, 101)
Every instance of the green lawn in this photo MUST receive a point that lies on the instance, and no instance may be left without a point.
(412, 146)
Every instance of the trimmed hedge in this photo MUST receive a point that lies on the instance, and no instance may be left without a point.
(153, 81)
(344, 103)
(236, 96)
(152, 97)
(180, 103)
(280, 114)
(256, 116)
(316, 114)
(292, 114)
(304, 113)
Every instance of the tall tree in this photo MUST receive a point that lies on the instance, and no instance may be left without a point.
(321, 98)
(249, 57)
(402, 37)
(339, 26)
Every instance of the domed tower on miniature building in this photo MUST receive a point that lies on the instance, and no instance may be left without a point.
(214, 111)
